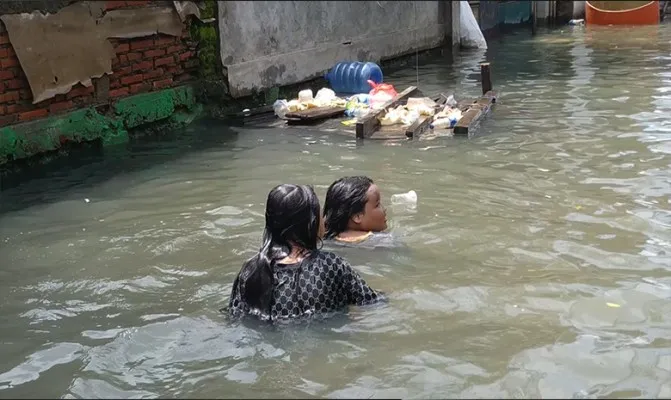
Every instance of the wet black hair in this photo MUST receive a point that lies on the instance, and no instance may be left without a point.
(292, 220)
(345, 198)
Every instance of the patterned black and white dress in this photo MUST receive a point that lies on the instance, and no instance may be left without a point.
(317, 285)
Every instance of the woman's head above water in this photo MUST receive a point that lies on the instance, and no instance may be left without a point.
(353, 204)
(293, 230)
(293, 218)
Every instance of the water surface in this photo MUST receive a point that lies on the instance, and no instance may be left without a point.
(539, 265)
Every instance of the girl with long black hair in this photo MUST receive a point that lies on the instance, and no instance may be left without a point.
(290, 276)
(354, 214)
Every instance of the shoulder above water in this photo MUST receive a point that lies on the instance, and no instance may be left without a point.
(375, 239)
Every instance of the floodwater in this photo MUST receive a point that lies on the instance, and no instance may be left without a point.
(540, 260)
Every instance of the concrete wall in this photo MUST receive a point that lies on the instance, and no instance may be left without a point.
(79, 78)
(542, 10)
(495, 14)
(272, 43)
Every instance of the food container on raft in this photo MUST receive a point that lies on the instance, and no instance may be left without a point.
(305, 96)
(352, 76)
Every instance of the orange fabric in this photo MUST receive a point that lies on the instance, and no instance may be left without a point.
(645, 15)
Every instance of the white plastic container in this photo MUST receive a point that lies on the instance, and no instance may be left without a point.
(305, 96)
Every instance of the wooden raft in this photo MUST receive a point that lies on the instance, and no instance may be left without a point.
(313, 115)
(328, 117)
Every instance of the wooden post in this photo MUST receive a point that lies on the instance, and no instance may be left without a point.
(485, 78)
(534, 19)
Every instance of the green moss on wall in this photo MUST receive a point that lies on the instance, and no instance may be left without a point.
(150, 107)
(206, 36)
(176, 106)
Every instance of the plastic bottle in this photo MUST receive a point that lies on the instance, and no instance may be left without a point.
(352, 77)
(409, 198)
(445, 122)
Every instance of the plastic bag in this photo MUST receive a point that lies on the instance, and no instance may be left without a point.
(325, 96)
(471, 35)
(382, 87)
(281, 107)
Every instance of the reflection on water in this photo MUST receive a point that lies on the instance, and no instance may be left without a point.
(539, 263)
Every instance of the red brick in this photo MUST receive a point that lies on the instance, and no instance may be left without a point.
(134, 56)
(4, 53)
(123, 71)
(9, 97)
(164, 61)
(115, 83)
(18, 108)
(141, 44)
(9, 62)
(185, 56)
(16, 84)
(25, 94)
(6, 74)
(153, 74)
(162, 83)
(62, 106)
(175, 69)
(127, 80)
(123, 59)
(165, 40)
(111, 5)
(119, 92)
(4, 38)
(78, 91)
(175, 49)
(3, 111)
(115, 63)
(143, 66)
(140, 87)
(2, 87)
(137, 3)
(35, 114)
(122, 48)
(154, 53)
(10, 52)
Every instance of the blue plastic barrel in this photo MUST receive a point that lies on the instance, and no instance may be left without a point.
(350, 77)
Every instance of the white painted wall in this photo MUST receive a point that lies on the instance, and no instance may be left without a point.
(579, 9)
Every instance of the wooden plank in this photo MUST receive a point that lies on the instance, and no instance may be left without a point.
(485, 78)
(476, 111)
(370, 123)
(418, 127)
(316, 113)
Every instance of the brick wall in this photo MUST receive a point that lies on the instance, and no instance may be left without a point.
(141, 65)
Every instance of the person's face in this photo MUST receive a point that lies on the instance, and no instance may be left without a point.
(374, 216)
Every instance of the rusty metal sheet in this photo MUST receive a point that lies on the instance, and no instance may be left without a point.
(57, 51)
(140, 22)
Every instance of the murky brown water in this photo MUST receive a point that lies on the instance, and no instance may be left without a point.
(540, 261)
